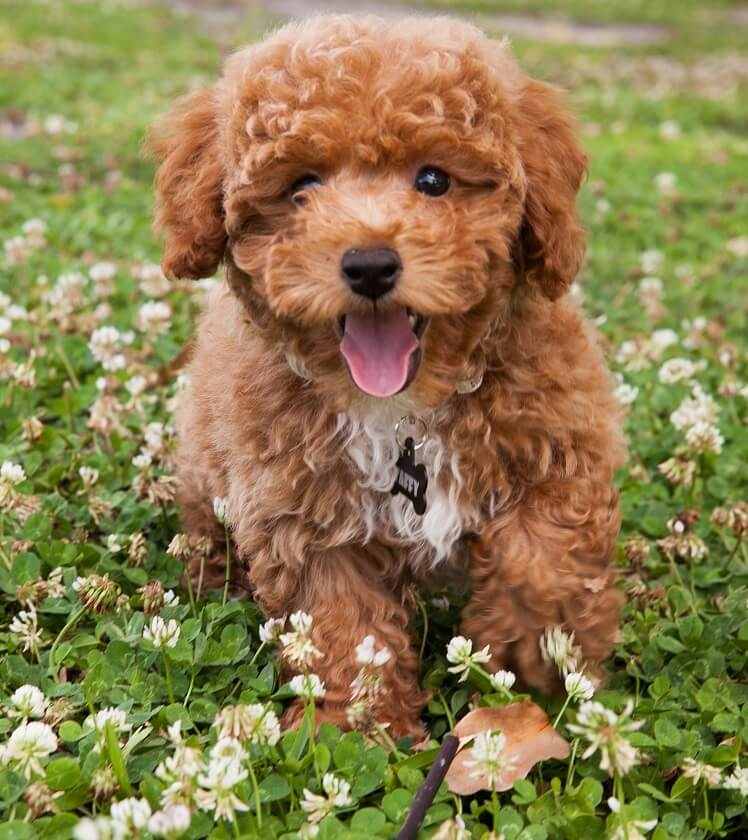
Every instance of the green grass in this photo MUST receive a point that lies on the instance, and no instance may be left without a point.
(683, 656)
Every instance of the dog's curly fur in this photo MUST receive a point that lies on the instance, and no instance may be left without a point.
(521, 469)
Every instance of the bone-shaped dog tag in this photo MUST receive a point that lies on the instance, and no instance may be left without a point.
(412, 479)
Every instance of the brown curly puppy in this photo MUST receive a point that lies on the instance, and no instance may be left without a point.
(395, 206)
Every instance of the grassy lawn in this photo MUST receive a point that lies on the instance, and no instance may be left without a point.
(87, 518)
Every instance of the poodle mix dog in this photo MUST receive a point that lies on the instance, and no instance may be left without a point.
(394, 381)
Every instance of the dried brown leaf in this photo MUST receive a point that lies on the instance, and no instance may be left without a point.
(530, 738)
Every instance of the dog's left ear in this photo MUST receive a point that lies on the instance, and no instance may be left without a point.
(189, 186)
(551, 237)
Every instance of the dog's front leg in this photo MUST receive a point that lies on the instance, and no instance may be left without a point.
(346, 594)
(546, 564)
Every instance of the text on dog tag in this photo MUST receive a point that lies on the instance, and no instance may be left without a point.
(411, 480)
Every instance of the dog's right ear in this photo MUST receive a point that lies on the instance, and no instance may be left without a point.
(189, 186)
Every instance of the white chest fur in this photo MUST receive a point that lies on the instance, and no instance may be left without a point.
(370, 444)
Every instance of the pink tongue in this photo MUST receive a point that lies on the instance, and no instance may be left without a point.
(378, 347)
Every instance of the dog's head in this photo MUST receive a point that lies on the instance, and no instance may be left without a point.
(381, 191)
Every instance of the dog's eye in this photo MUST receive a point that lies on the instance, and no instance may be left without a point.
(307, 182)
(432, 181)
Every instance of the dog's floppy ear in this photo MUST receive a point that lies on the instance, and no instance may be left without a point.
(551, 239)
(189, 186)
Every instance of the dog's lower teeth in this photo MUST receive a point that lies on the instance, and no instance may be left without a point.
(413, 320)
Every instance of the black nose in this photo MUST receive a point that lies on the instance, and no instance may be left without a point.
(371, 273)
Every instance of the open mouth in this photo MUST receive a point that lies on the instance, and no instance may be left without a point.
(382, 349)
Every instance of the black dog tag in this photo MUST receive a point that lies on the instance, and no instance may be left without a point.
(411, 478)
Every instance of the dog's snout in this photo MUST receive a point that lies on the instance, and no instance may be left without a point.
(372, 272)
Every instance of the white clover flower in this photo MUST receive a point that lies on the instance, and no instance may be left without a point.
(337, 795)
(705, 437)
(142, 460)
(129, 816)
(35, 231)
(606, 731)
(626, 394)
(651, 261)
(12, 473)
(15, 312)
(153, 435)
(317, 806)
(152, 280)
(171, 822)
(221, 509)
(272, 629)
(738, 780)
(738, 246)
(300, 621)
(17, 249)
(666, 184)
(218, 790)
(113, 543)
(579, 687)
(366, 655)
(633, 830)
(229, 749)
(179, 546)
(697, 770)
(557, 646)
(29, 702)
(174, 732)
(154, 317)
(105, 345)
(25, 626)
(460, 652)
(650, 295)
(56, 124)
(135, 385)
(102, 273)
(633, 356)
(670, 130)
(102, 312)
(308, 685)
(180, 773)
(162, 633)
(28, 745)
(54, 586)
(503, 679)
(254, 722)
(603, 206)
(453, 829)
(116, 718)
(298, 647)
(698, 408)
(487, 757)
(89, 476)
(677, 370)
(170, 598)
(97, 592)
(99, 828)
(650, 288)
(662, 339)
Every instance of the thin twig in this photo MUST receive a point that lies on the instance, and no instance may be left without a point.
(426, 793)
